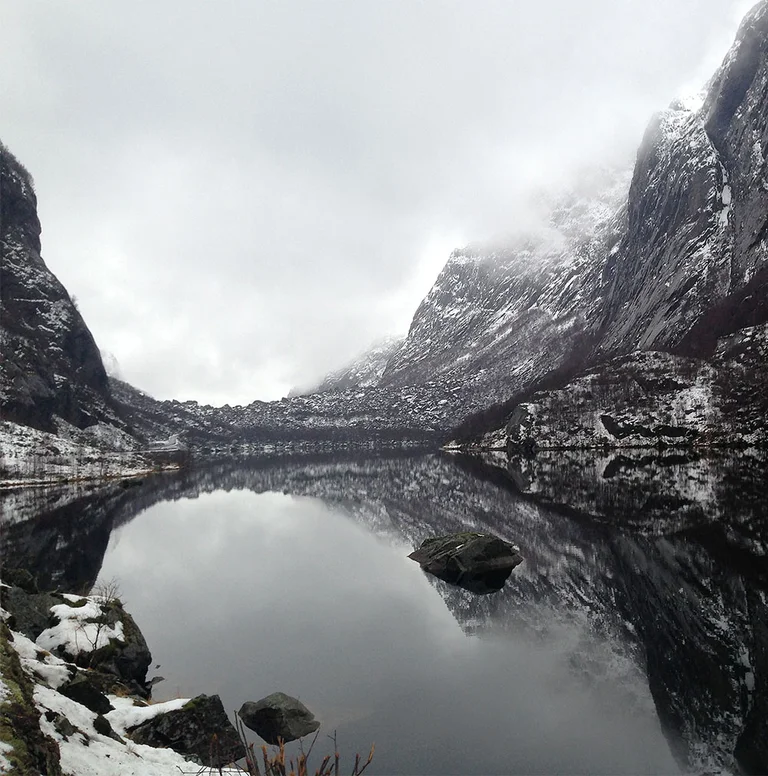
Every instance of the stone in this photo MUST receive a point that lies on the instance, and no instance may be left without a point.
(480, 563)
(278, 716)
(102, 725)
(20, 578)
(30, 612)
(128, 660)
(63, 726)
(83, 691)
(200, 729)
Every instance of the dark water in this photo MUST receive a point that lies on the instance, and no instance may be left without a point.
(631, 640)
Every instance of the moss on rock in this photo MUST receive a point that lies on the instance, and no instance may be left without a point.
(32, 752)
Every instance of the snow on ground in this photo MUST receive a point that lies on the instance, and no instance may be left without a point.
(86, 752)
(76, 633)
(40, 664)
(126, 715)
(29, 456)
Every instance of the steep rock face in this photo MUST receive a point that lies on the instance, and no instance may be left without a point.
(51, 365)
(697, 215)
(689, 272)
(678, 262)
(672, 262)
(496, 319)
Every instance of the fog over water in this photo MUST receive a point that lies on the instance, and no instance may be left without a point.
(242, 195)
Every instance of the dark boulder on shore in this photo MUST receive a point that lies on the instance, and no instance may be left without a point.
(480, 563)
(199, 729)
(278, 716)
(82, 690)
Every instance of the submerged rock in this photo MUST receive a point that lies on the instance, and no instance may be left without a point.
(480, 563)
(199, 729)
(278, 716)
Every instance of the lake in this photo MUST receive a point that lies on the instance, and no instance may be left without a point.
(631, 639)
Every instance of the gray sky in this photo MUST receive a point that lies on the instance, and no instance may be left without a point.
(244, 194)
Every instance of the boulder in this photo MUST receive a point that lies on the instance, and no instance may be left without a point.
(127, 659)
(20, 578)
(82, 690)
(480, 563)
(278, 716)
(200, 730)
(30, 612)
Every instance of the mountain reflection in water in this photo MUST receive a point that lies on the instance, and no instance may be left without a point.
(632, 638)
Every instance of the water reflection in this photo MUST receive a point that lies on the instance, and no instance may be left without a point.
(612, 648)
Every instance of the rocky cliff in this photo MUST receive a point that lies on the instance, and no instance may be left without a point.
(50, 367)
(647, 399)
(687, 268)
(499, 317)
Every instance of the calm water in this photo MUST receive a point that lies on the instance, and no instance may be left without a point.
(617, 647)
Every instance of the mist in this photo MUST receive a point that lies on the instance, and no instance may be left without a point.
(244, 195)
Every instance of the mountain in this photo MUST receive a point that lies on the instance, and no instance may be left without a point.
(670, 258)
(687, 270)
(365, 371)
(51, 367)
(366, 416)
(499, 317)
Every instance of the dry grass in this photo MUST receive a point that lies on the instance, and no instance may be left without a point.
(274, 762)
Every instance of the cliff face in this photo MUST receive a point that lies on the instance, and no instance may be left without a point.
(50, 363)
(497, 319)
(698, 207)
(689, 269)
(650, 398)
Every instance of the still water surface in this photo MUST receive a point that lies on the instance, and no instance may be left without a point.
(247, 594)
(623, 644)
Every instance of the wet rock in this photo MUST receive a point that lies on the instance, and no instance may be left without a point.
(102, 725)
(480, 563)
(278, 716)
(751, 749)
(83, 691)
(200, 729)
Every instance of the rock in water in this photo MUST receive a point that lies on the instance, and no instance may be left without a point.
(480, 563)
(278, 716)
(200, 729)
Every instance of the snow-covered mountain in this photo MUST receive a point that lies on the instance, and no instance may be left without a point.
(50, 366)
(689, 265)
(669, 257)
(498, 317)
(365, 371)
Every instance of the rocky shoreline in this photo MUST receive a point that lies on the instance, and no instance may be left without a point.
(75, 699)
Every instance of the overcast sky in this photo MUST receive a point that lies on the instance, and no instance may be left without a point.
(243, 194)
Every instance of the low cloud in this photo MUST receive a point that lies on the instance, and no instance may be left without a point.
(243, 195)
